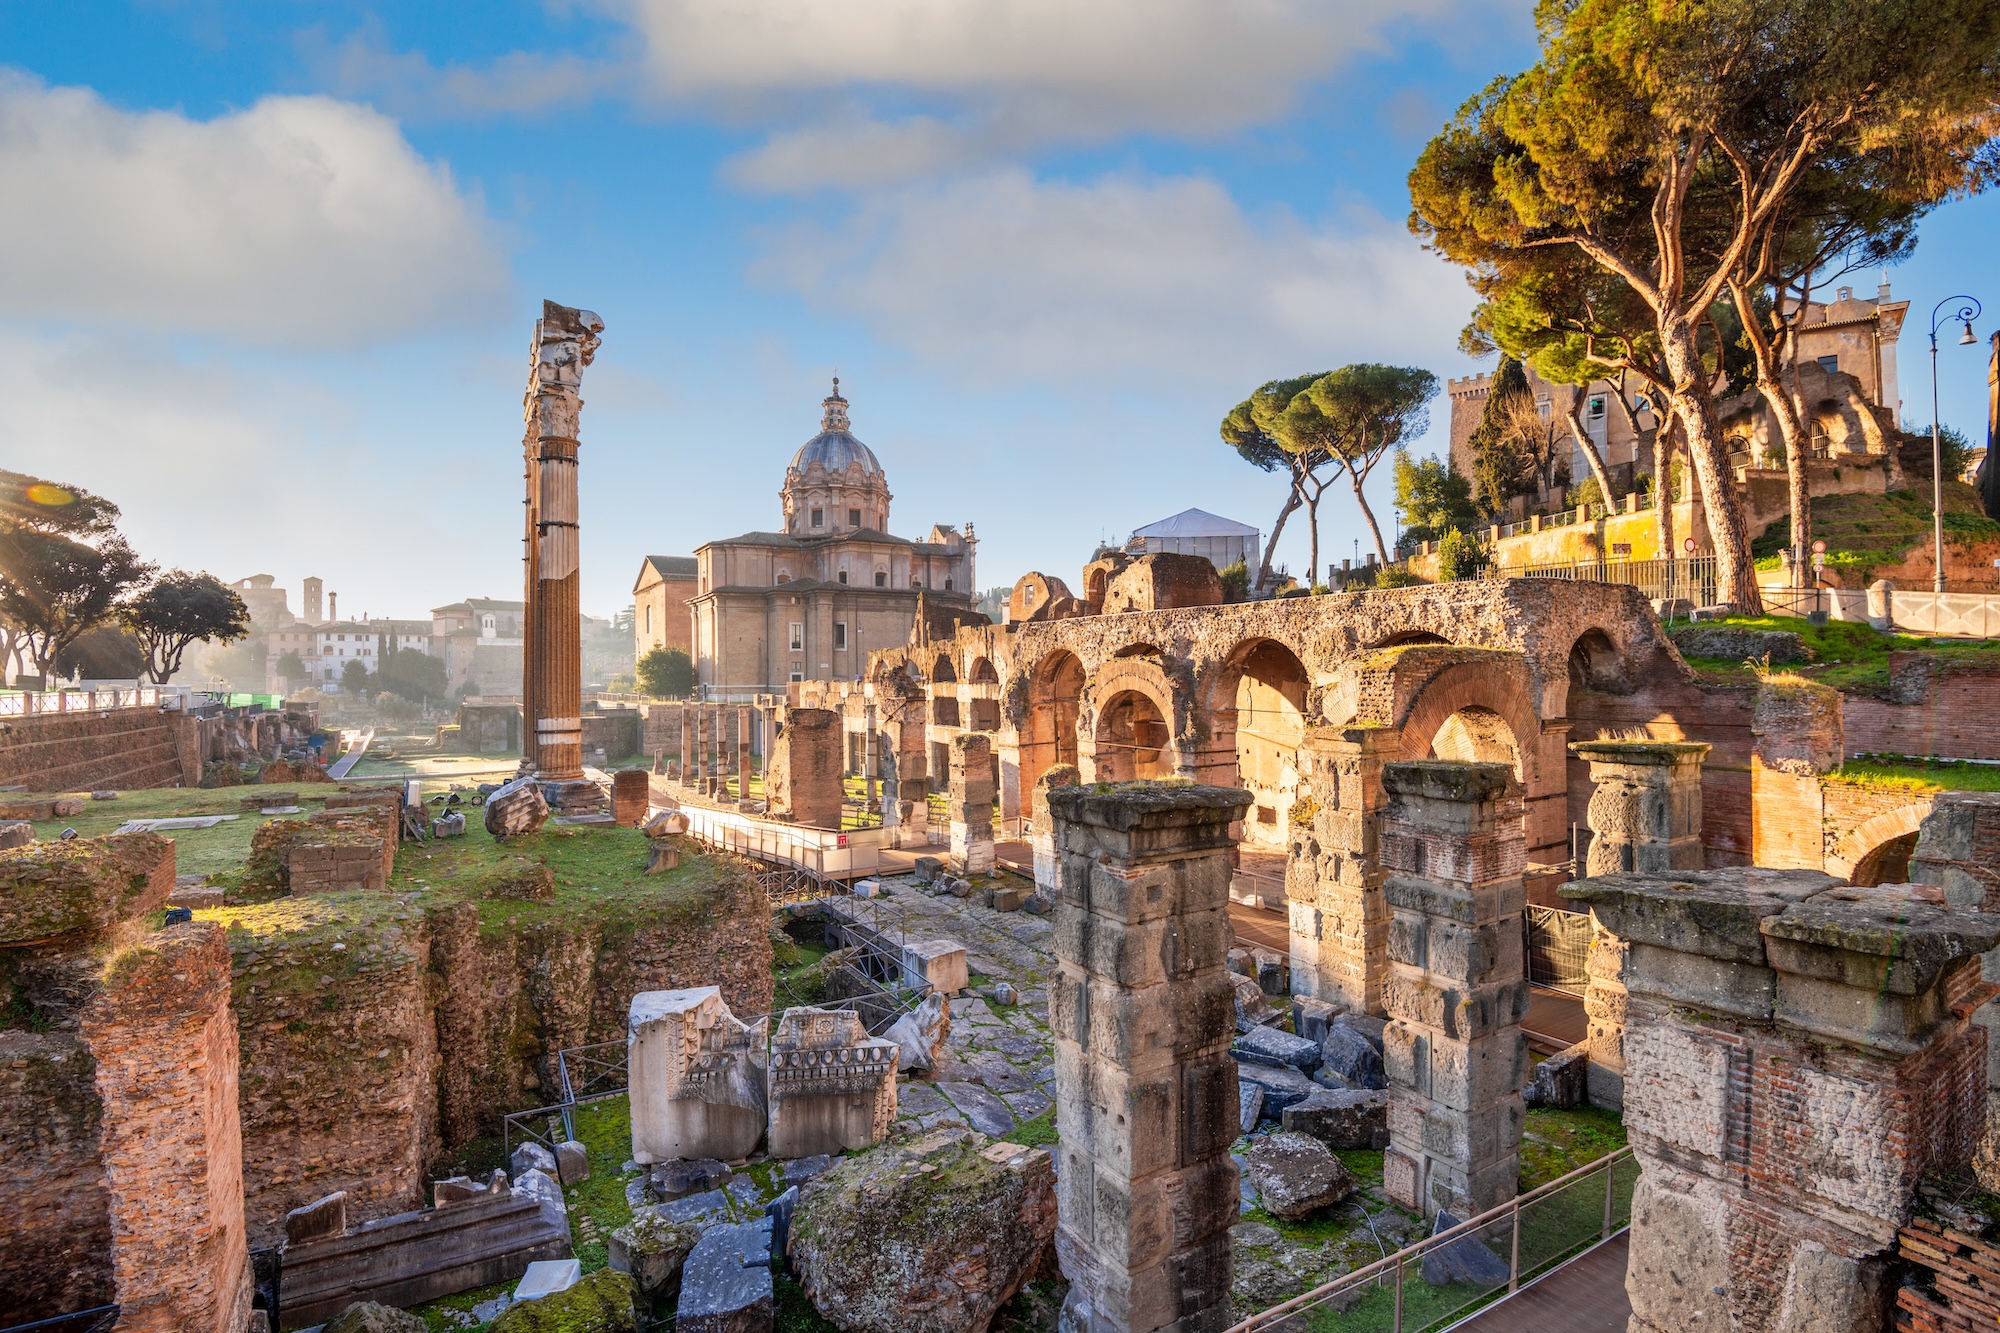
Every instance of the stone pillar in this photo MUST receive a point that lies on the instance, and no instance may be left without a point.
(1797, 736)
(552, 654)
(1143, 1013)
(870, 760)
(1645, 815)
(802, 773)
(1042, 831)
(1645, 810)
(1007, 746)
(743, 754)
(1797, 1060)
(1333, 879)
(1958, 856)
(687, 739)
(971, 803)
(163, 1040)
(913, 787)
(1455, 850)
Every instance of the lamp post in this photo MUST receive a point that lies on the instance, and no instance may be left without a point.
(1965, 314)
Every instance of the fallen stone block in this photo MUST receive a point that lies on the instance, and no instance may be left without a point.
(1004, 899)
(921, 1036)
(318, 1219)
(516, 808)
(370, 1317)
(926, 1235)
(1561, 1080)
(1342, 1119)
(1347, 1057)
(653, 1249)
(607, 1301)
(1253, 1007)
(1296, 1175)
(926, 869)
(1249, 1105)
(572, 1162)
(1273, 1046)
(684, 1176)
(1282, 1085)
(1463, 1260)
(531, 1156)
(661, 856)
(703, 1210)
(726, 1281)
(16, 833)
(780, 1211)
(1311, 1018)
(801, 1169)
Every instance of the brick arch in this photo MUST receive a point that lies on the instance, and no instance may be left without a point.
(1613, 674)
(1144, 677)
(1493, 687)
(1870, 834)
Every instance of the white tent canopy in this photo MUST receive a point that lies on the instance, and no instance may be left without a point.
(1195, 523)
(1221, 541)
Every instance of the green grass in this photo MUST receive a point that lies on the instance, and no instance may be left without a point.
(1555, 1143)
(1039, 1132)
(1846, 654)
(1864, 532)
(1916, 775)
(197, 851)
(796, 1314)
(605, 1130)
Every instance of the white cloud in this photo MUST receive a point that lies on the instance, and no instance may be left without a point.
(301, 220)
(1001, 276)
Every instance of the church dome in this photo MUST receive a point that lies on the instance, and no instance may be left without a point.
(835, 447)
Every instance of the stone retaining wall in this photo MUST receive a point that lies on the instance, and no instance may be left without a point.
(127, 748)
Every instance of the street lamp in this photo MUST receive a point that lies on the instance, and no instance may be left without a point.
(1965, 314)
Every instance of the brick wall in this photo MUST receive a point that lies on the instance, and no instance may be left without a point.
(165, 1048)
(55, 1251)
(127, 748)
(1935, 708)
(1957, 1280)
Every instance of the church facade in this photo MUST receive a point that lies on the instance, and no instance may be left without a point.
(812, 600)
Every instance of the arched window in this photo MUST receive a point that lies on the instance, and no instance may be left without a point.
(843, 576)
(947, 583)
(881, 578)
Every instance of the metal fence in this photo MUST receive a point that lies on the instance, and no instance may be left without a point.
(1692, 578)
(830, 855)
(1442, 1278)
(23, 703)
(97, 1319)
(1558, 945)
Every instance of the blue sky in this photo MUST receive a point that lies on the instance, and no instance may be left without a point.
(268, 271)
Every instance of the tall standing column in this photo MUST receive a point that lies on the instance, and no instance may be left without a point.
(970, 804)
(1455, 850)
(687, 736)
(1144, 1013)
(1333, 878)
(552, 658)
(1645, 815)
(743, 754)
(870, 744)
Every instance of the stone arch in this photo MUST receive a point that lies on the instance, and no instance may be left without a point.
(1141, 649)
(1132, 739)
(983, 673)
(1406, 638)
(943, 672)
(1501, 690)
(1878, 845)
(1257, 709)
(1596, 662)
(1055, 702)
(1141, 677)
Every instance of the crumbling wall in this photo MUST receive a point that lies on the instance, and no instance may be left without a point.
(340, 1054)
(1936, 706)
(55, 1250)
(127, 748)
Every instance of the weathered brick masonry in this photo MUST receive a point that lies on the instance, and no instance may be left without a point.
(121, 747)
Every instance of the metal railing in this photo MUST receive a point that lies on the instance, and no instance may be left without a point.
(1536, 1231)
(1558, 945)
(584, 1074)
(831, 855)
(1692, 578)
(28, 703)
(94, 1320)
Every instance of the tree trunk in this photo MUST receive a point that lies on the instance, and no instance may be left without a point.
(1663, 483)
(1588, 445)
(1694, 404)
(1271, 547)
(1374, 528)
(1312, 521)
(1770, 383)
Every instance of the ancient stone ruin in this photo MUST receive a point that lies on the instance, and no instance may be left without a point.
(1143, 1022)
(697, 1077)
(832, 1086)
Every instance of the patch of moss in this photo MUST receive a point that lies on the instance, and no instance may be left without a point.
(1555, 1143)
(1039, 1132)
(796, 1313)
(604, 1302)
(1916, 775)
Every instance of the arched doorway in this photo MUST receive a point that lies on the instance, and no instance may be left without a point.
(1049, 738)
(1478, 736)
(1595, 663)
(1132, 740)
(1270, 702)
(1887, 864)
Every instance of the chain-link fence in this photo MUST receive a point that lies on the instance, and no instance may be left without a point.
(1442, 1279)
(1558, 945)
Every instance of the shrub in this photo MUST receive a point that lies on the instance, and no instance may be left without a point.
(666, 673)
(1460, 557)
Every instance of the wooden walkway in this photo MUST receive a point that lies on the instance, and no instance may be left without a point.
(1585, 1295)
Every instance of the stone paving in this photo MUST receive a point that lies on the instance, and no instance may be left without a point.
(999, 1065)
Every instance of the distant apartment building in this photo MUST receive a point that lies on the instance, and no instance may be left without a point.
(661, 615)
(480, 642)
(1844, 381)
(323, 651)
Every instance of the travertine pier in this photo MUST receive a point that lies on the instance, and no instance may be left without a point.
(1797, 1058)
(1452, 845)
(970, 804)
(1143, 1013)
(1333, 881)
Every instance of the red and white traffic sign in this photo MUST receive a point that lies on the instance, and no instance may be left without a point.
(1819, 548)
(1688, 546)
